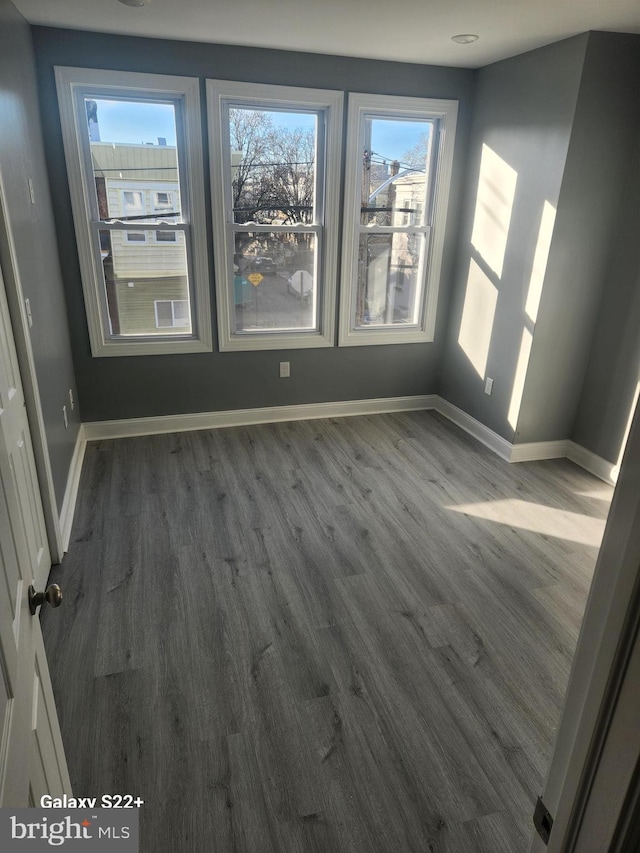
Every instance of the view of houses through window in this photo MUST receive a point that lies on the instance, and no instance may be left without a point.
(142, 242)
(275, 241)
(392, 243)
(275, 154)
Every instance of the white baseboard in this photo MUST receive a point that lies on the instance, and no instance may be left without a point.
(479, 431)
(71, 492)
(536, 450)
(596, 465)
(243, 417)
(532, 451)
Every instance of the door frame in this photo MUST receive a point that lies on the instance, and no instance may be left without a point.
(580, 789)
(26, 362)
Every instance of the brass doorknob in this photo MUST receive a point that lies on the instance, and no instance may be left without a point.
(52, 595)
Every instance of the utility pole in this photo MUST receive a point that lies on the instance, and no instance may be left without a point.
(364, 207)
(394, 168)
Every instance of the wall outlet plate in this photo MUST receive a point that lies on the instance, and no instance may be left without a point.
(285, 369)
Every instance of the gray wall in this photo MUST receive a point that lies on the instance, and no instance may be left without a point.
(565, 118)
(32, 226)
(125, 387)
(524, 112)
(614, 366)
(601, 150)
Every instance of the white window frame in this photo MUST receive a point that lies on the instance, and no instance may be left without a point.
(73, 84)
(221, 94)
(171, 302)
(390, 107)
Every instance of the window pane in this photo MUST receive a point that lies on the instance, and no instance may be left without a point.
(272, 165)
(166, 236)
(388, 292)
(139, 277)
(135, 236)
(134, 160)
(181, 313)
(274, 281)
(164, 314)
(395, 166)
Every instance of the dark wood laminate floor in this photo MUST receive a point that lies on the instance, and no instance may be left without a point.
(343, 635)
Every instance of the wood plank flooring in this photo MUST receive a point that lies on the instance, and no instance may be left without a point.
(347, 635)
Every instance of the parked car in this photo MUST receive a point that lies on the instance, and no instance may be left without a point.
(259, 263)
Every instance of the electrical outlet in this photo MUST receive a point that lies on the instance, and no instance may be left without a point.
(27, 308)
(64, 415)
(488, 386)
(71, 400)
(285, 369)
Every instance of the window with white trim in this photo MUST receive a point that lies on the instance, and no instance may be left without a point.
(166, 236)
(163, 201)
(132, 201)
(135, 237)
(134, 159)
(399, 161)
(275, 171)
(172, 313)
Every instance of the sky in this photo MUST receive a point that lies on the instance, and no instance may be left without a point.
(135, 122)
(392, 138)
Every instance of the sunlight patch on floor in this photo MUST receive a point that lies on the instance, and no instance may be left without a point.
(546, 520)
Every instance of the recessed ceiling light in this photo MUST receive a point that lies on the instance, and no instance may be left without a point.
(463, 38)
(134, 2)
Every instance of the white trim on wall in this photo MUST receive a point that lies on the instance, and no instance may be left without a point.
(71, 492)
(537, 450)
(479, 431)
(265, 415)
(596, 465)
(445, 112)
(220, 95)
(184, 92)
(22, 335)
(531, 452)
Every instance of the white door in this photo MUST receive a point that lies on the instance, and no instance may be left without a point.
(32, 759)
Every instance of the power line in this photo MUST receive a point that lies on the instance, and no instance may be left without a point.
(291, 163)
(385, 161)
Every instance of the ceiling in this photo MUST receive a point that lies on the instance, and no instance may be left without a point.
(410, 31)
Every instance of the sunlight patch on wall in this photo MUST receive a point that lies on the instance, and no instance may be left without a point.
(623, 444)
(537, 518)
(520, 376)
(494, 204)
(479, 310)
(540, 259)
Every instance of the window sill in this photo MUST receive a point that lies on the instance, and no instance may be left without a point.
(251, 343)
(141, 348)
(376, 337)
